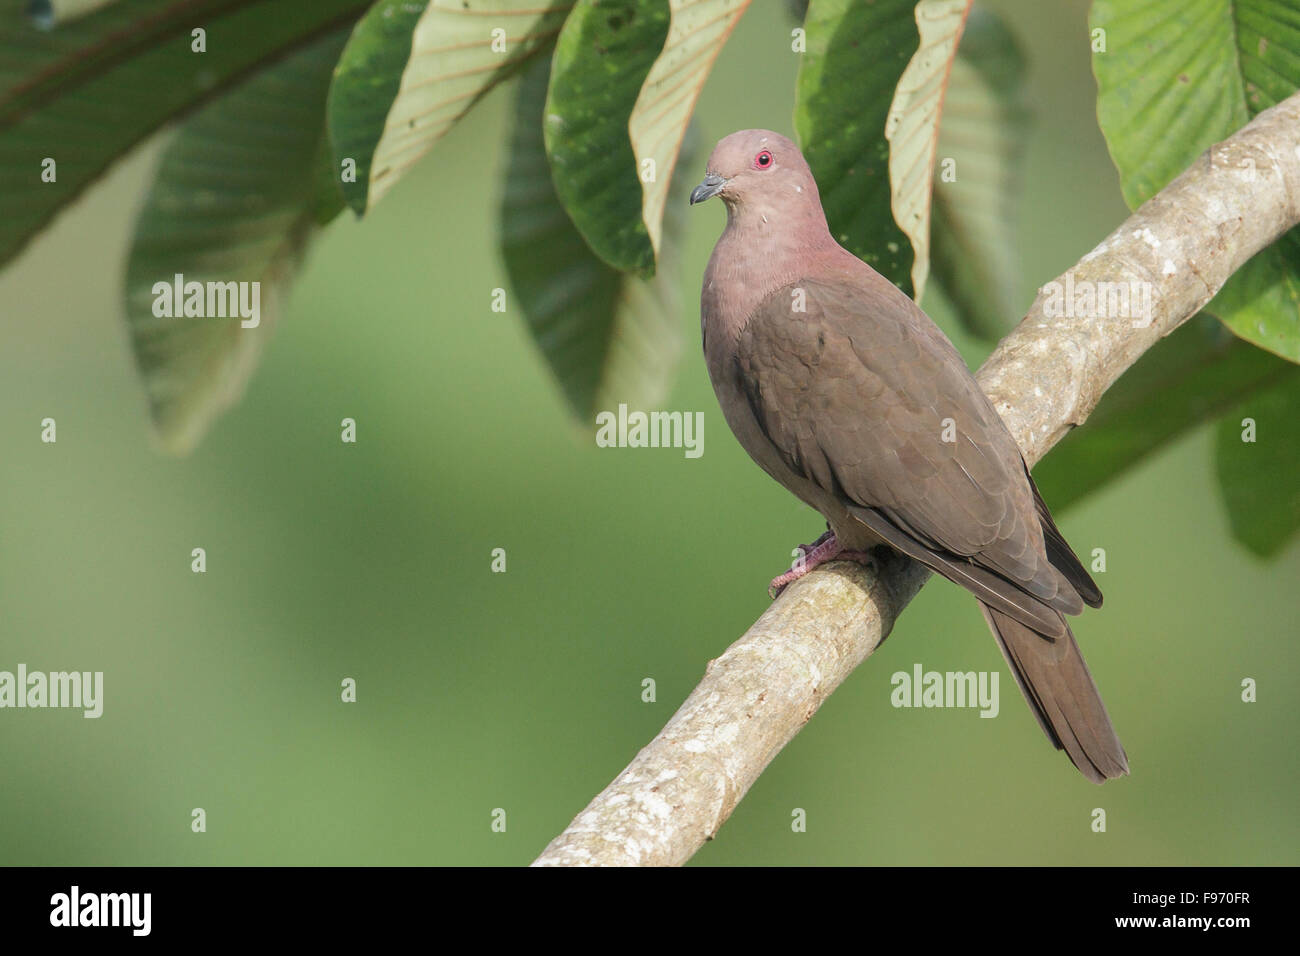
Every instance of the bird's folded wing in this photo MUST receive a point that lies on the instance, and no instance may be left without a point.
(863, 395)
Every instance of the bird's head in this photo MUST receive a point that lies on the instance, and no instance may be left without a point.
(756, 167)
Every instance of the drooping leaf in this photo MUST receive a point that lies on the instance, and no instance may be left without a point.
(696, 33)
(983, 129)
(327, 189)
(855, 54)
(412, 68)
(86, 91)
(1193, 376)
(366, 81)
(1260, 478)
(1175, 77)
(602, 57)
(912, 126)
(235, 198)
(609, 337)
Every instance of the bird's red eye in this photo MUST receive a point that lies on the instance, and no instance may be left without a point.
(763, 160)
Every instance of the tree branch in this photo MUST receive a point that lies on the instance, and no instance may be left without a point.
(1044, 378)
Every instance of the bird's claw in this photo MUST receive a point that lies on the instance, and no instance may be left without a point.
(820, 551)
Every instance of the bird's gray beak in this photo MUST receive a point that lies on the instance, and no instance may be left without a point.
(711, 186)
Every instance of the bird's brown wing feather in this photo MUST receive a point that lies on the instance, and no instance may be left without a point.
(862, 405)
(1062, 555)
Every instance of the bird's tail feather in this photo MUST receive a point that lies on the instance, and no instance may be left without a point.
(1060, 690)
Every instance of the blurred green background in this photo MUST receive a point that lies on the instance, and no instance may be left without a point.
(523, 690)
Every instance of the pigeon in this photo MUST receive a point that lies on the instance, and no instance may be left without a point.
(845, 392)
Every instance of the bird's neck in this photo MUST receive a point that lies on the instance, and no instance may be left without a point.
(758, 253)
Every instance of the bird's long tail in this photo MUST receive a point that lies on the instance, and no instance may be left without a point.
(1055, 681)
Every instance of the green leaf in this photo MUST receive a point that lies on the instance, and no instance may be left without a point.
(412, 68)
(1177, 76)
(696, 33)
(327, 190)
(602, 57)
(1258, 478)
(912, 126)
(608, 337)
(1193, 376)
(1261, 302)
(87, 91)
(973, 232)
(855, 54)
(235, 198)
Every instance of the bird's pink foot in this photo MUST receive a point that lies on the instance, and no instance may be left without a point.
(826, 548)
